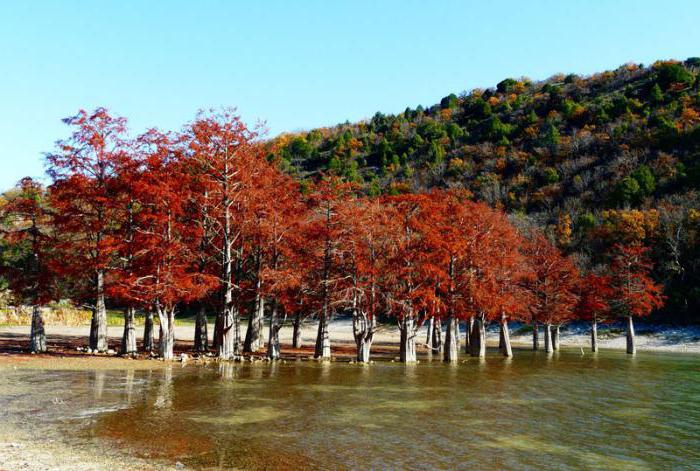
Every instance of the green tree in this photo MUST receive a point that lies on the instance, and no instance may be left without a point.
(645, 179)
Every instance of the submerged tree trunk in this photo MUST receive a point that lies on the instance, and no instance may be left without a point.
(594, 335)
(148, 332)
(229, 333)
(363, 329)
(322, 350)
(478, 338)
(468, 326)
(555, 337)
(429, 333)
(166, 341)
(201, 332)
(253, 335)
(37, 335)
(535, 336)
(98, 326)
(273, 343)
(631, 348)
(128, 346)
(296, 331)
(408, 340)
(451, 340)
(505, 347)
(437, 336)
(548, 338)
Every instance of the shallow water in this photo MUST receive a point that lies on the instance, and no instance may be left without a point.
(567, 411)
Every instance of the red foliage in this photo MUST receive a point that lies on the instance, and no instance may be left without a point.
(26, 225)
(634, 292)
(553, 283)
(594, 293)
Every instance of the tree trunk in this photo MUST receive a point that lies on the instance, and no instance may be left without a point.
(363, 330)
(98, 327)
(166, 341)
(535, 336)
(201, 332)
(296, 332)
(506, 348)
(429, 333)
(148, 332)
(129, 336)
(451, 339)
(594, 335)
(37, 335)
(229, 333)
(408, 340)
(253, 335)
(323, 341)
(631, 349)
(555, 338)
(478, 338)
(273, 343)
(548, 338)
(437, 336)
(469, 325)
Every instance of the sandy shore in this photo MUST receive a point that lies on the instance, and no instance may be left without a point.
(66, 340)
(20, 451)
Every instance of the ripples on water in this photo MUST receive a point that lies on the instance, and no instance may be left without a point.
(566, 411)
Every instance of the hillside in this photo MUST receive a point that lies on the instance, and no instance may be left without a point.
(596, 160)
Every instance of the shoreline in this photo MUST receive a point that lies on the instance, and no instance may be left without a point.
(67, 344)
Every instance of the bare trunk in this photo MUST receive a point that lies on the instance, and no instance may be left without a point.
(201, 332)
(273, 343)
(296, 332)
(37, 335)
(478, 338)
(506, 348)
(437, 336)
(229, 333)
(128, 346)
(363, 330)
(323, 341)
(469, 325)
(535, 336)
(451, 340)
(253, 335)
(555, 338)
(594, 335)
(548, 338)
(429, 333)
(408, 340)
(631, 349)
(98, 326)
(166, 340)
(148, 332)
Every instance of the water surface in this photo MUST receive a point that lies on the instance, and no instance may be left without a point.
(567, 411)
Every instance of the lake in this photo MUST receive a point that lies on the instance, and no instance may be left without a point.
(564, 411)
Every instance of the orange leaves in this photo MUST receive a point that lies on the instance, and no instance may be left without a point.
(631, 225)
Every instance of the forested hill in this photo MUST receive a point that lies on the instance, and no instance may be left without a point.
(613, 157)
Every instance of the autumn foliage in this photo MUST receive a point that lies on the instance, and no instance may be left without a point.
(164, 221)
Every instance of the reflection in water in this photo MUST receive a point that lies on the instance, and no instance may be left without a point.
(99, 383)
(164, 391)
(129, 385)
(532, 411)
(227, 371)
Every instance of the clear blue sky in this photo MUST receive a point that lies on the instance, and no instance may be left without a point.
(297, 64)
